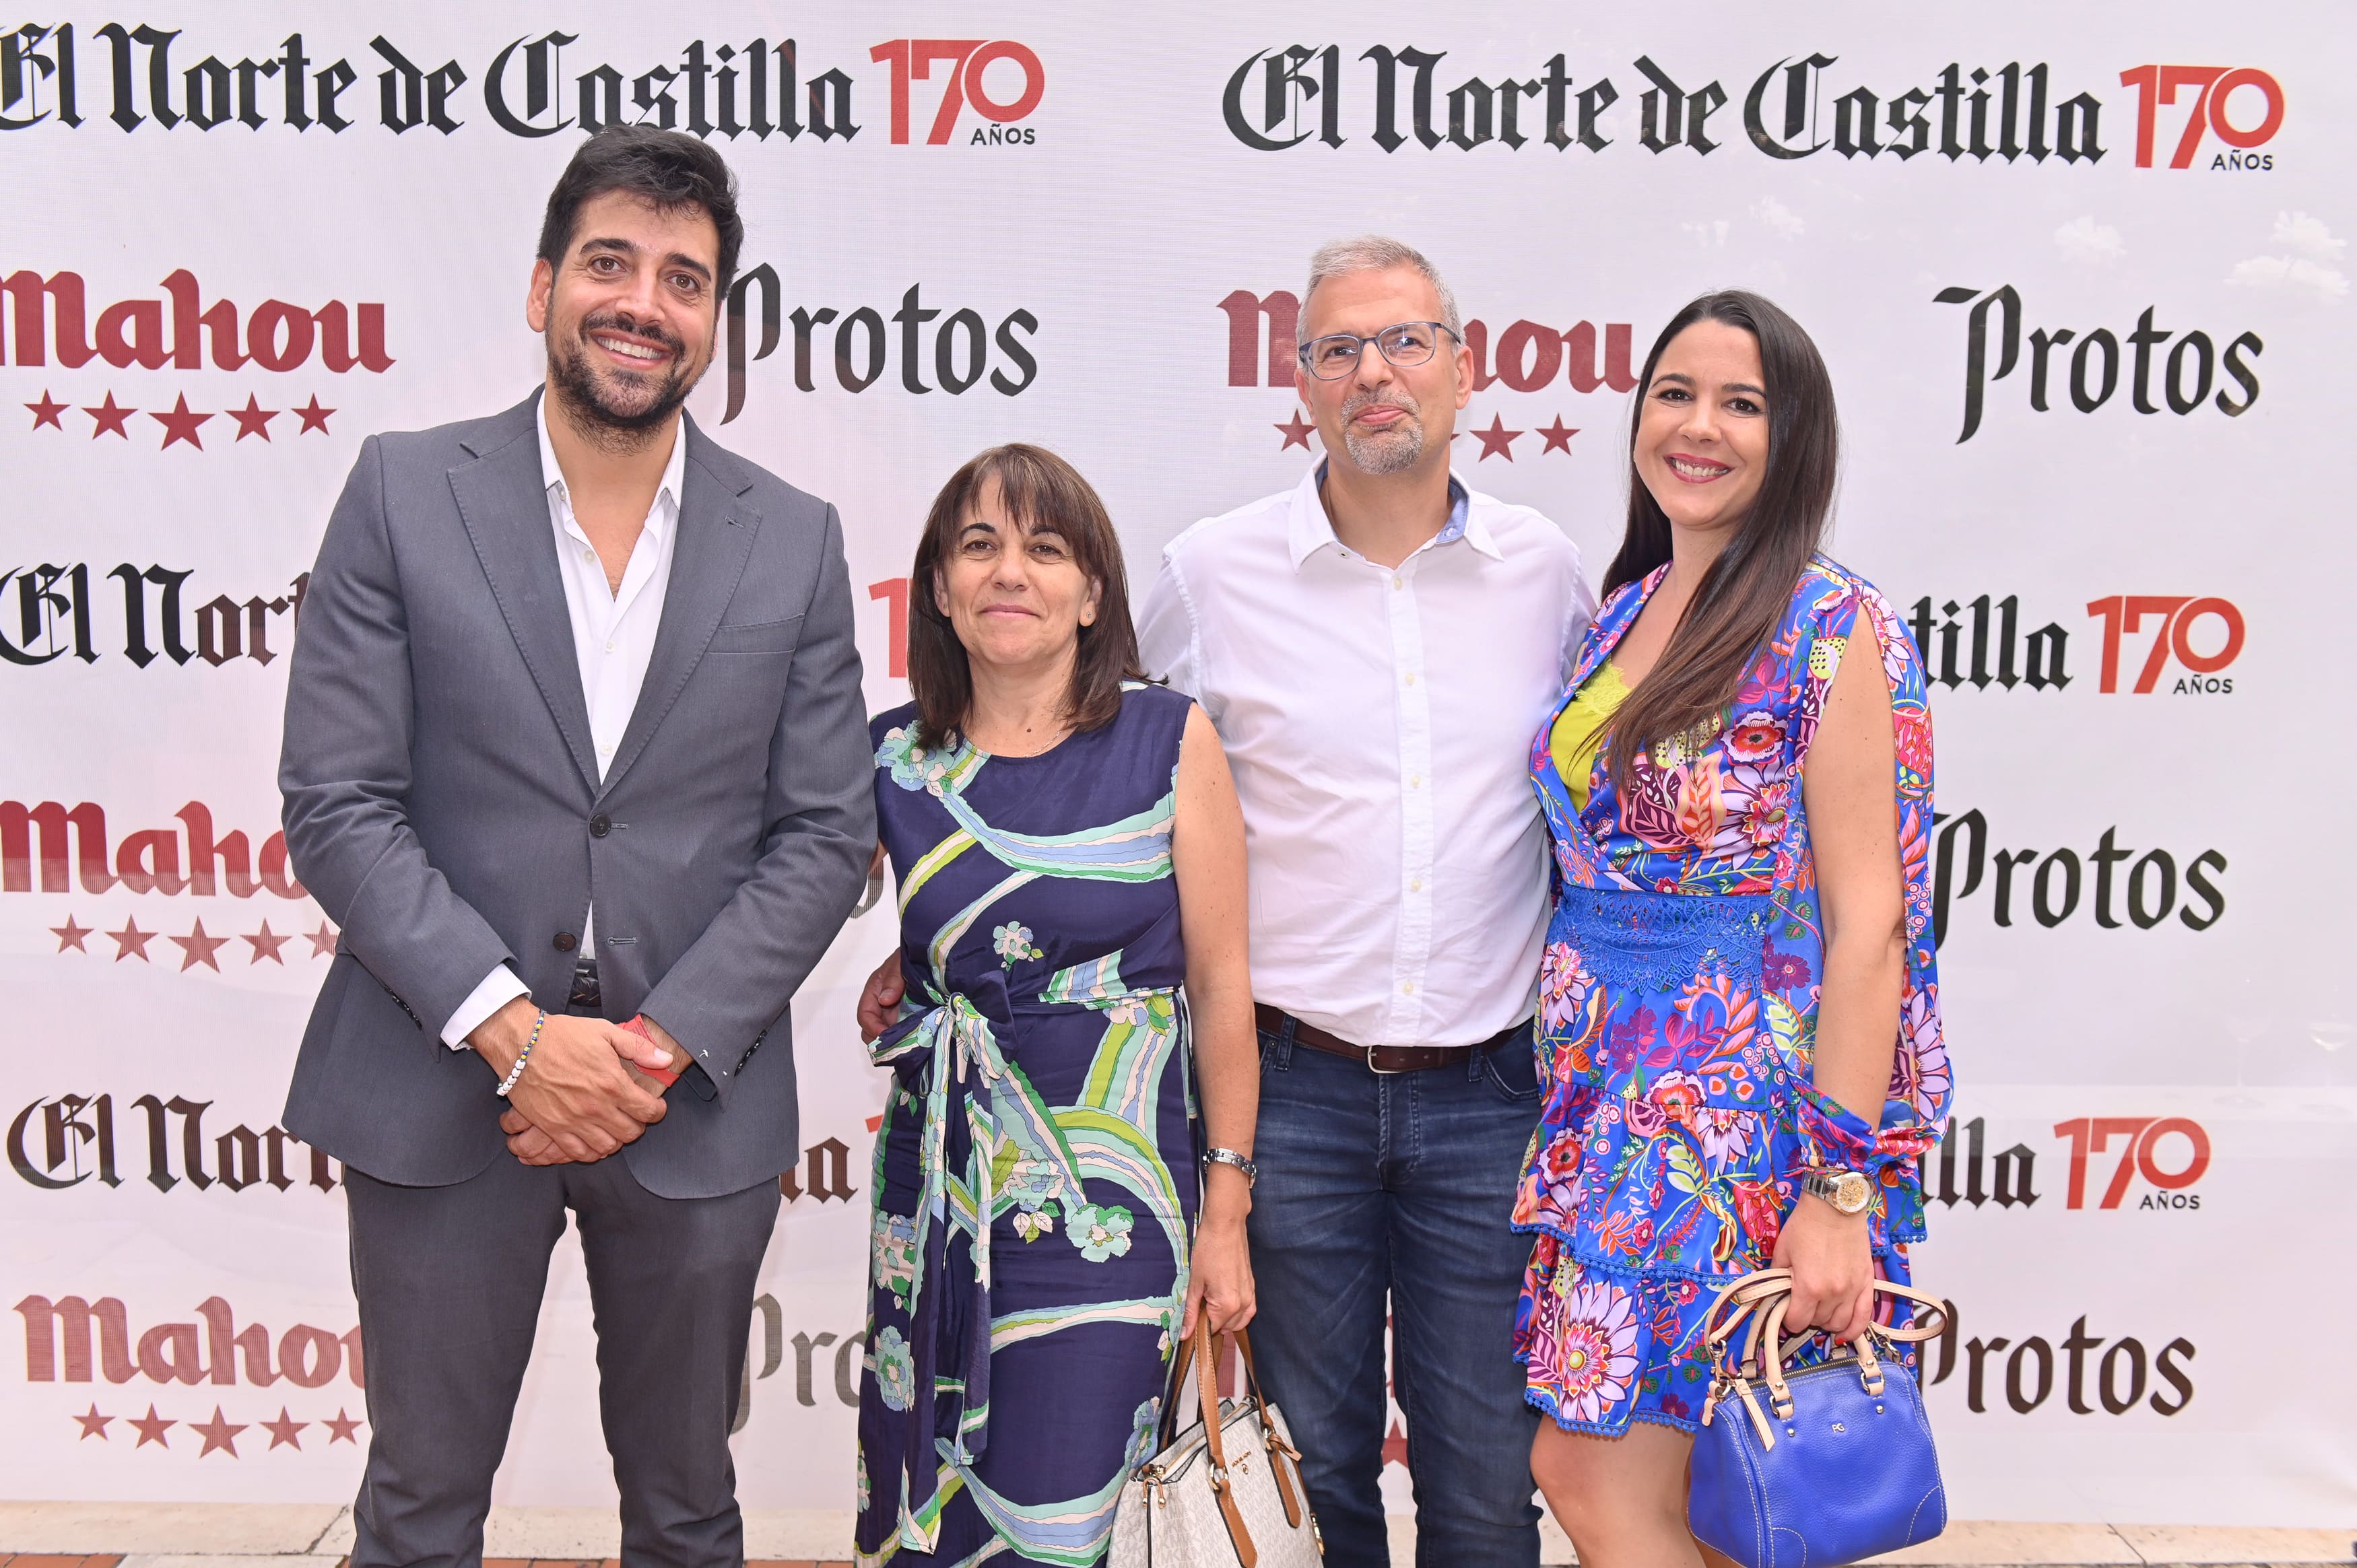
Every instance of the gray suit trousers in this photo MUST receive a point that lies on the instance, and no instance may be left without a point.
(450, 1280)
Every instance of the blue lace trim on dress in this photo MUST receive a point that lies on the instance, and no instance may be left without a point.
(1647, 942)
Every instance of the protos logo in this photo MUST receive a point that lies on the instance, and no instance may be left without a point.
(967, 80)
(2124, 615)
(2143, 1149)
(2215, 104)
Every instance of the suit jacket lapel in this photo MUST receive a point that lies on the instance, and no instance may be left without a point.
(715, 539)
(503, 501)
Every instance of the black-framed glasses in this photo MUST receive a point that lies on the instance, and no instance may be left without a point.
(1405, 344)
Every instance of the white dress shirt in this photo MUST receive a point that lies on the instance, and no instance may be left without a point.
(613, 639)
(1379, 722)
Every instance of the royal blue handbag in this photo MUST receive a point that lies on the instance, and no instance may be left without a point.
(1827, 1464)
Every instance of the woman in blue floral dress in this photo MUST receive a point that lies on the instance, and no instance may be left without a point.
(1070, 862)
(1738, 1002)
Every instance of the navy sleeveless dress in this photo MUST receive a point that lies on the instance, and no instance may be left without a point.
(1036, 1181)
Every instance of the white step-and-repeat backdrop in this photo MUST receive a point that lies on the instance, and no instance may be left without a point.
(2082, 277)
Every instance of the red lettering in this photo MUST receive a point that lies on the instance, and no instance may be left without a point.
(1035, 81)
(63, 290)
(2228, 132)
(894, 591)
(2173, 1180)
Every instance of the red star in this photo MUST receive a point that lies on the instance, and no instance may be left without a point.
(341, 1428)
(1557, 437)
(1297, 432)
(1497, 441)
(252, 419)
(130, 939)
(71, 935)
(216, 1433)
(323, 940)
(1396, 1445)
(180, 424)
(110, 418)
(313, 416)
(266, 946)
(93, 1424)
(46, 411)
(283, 1431)
(151, 1430)
(196, 947)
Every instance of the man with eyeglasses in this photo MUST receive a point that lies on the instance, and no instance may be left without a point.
(1377, 647)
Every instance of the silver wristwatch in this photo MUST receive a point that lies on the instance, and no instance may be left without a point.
(1847, 1191)
(1230, 1158)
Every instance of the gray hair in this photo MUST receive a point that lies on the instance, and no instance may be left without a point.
(1376, 253)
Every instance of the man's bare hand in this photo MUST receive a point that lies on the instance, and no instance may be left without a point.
(880, 1002)
(529, 1144)
(576, 1092)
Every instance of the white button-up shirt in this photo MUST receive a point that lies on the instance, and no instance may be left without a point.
(1379, 721)
(613, 639)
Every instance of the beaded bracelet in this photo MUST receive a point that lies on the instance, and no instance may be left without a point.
(524, 1056)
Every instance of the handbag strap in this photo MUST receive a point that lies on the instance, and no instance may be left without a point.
(1195, 1355)
(1756, 1304)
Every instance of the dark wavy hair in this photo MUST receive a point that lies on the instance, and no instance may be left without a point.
(1042, 491)
(1745, 593)
(670, 169)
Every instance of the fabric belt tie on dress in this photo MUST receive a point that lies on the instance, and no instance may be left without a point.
(948, 1056)
(1377, 1058)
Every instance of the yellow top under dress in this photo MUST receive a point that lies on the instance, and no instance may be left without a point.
(1579, 725)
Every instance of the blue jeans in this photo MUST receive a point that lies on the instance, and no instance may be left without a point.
(1398, 1185)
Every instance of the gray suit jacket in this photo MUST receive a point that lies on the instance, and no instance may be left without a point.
(443, 805)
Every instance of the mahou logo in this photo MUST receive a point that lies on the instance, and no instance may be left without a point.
(2220, 95)
(50, 318)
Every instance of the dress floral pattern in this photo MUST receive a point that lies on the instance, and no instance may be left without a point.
(1677, 1020)
(1035, 1181)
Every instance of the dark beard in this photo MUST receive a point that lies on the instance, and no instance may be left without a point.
(584, 400)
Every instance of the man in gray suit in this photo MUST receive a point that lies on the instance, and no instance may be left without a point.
(576, 757)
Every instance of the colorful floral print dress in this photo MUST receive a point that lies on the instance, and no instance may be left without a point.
(1678, 1013)
(1035, 1176)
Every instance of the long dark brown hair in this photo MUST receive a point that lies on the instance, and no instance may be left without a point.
(1747, 590)
(1042, 492)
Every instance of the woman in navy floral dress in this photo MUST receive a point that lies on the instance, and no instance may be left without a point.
(1070, 862)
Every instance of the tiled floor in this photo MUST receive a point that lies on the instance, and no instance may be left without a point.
(213, 1535)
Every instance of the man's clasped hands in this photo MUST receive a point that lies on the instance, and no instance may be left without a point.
(586, 1092)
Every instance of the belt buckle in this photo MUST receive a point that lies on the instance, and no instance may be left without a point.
(1381, 1071)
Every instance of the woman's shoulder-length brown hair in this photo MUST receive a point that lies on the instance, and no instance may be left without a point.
(1041, 492)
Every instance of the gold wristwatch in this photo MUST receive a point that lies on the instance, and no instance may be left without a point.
(1847, 1191)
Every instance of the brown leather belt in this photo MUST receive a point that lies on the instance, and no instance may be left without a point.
(1377, 1058)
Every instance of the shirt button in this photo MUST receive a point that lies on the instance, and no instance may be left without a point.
(590, 557)
(609, 645)
(1416, 781)
(1407, 988)
(1397, 584)
(1416, 884)
(1411, 680)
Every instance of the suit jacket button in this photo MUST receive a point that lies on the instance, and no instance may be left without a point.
(599, 825)
(565, 941)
